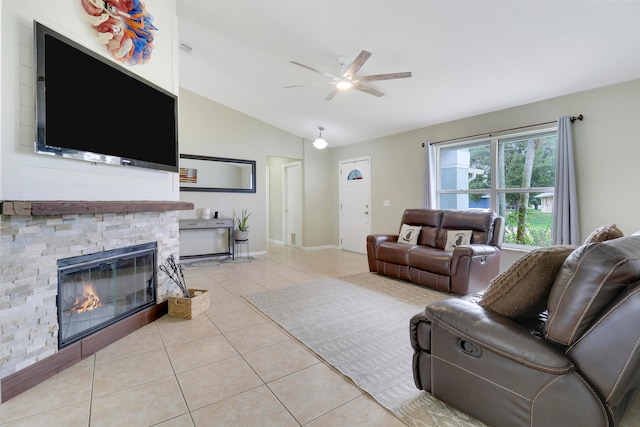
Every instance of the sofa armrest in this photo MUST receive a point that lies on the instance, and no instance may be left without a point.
(470, 251)
(473, 250)
(379, 238)
(472, 268)
(373, 240)
(466, 319)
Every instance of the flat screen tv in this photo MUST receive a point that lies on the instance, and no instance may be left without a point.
(90, 108)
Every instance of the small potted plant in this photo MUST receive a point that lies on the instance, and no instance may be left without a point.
(242, 231)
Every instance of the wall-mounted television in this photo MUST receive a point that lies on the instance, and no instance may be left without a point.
(90, 108)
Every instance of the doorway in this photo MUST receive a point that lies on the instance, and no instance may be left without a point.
(292, 204)
(355, 203)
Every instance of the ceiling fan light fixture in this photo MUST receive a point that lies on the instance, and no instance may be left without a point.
(320, 143)
(344, 84)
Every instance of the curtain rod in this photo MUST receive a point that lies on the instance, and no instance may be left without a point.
(573, 119)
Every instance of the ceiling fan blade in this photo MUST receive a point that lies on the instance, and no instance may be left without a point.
(335, 78)
(384, 77)
(357, 64)
(332, 94)
(367, 89)
(311, 84)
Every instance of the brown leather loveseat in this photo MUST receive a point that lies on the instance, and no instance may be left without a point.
(575, 363)
(463, 269)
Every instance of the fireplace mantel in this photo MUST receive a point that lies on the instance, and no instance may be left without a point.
(66, 207)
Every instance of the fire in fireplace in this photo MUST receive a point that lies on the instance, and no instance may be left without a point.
(97, 290)
(87, 301)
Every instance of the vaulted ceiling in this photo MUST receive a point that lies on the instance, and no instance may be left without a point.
(467, 57)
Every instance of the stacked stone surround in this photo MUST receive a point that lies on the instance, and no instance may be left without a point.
(30, 248)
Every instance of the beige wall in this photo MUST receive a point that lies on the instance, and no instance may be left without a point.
(320, 210)
(25, 175)
(605, 147)
(211, 129)
(605, 144)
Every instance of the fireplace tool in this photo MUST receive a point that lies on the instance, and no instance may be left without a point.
(176, 274)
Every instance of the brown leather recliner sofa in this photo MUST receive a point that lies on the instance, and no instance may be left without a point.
(577, 363)
(468, 268)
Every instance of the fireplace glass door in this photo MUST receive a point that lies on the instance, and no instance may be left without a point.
(97, 290)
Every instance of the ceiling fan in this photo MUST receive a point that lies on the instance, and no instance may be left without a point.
(348, 78)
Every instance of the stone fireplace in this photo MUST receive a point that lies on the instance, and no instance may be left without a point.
(39, 238)
(99, 289)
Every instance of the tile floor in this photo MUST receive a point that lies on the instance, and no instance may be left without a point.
(229, 367)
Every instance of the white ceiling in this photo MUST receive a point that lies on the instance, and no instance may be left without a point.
(467, 57)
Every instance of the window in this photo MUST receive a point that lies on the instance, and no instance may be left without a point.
(513, 175)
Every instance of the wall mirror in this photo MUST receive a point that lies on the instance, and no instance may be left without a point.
(202, 173)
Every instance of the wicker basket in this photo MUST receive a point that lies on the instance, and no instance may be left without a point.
(188, 308)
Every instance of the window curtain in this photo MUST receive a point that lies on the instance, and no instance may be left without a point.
(564, 225)
(430, 176)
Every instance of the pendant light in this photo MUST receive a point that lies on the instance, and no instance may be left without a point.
(320, 143)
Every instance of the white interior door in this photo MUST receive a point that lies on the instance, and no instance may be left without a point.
(355, 202)
(292, 204)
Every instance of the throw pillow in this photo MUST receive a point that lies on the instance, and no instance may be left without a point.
(456, 238)
(521, 291)
(603, 233)
(409, 234)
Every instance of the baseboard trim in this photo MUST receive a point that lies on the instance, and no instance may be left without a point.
(21, 381)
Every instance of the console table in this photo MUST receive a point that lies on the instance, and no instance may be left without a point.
(187, 225)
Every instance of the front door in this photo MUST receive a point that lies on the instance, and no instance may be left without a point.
(355, 201)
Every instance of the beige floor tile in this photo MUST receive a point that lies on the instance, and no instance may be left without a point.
(181, 421)
(73, 385)
(256, 337)
(216, 381)
(312, 392)
(225, 306)
(218, 294)
(141, 341)
(200, 352)
(280, 359)
(239, 319)
(265, 411)
(245, 288)
(76, 415)
(200, 280)
(361, 411)
(225, 276)
(119, 374)
(143, 405)
(201, 367)
(267, 279)
(177, 331)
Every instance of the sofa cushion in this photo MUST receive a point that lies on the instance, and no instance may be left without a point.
(456, 238)
(588, 281)
(521, 291)
(395, 253)
(480, 221)
(409, 234)
(429, 219)
(603, 233)
(430, 259)
(428, 236)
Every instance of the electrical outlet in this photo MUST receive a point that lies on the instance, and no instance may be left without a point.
(386, 202)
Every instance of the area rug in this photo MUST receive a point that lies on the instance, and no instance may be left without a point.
(360, 325)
